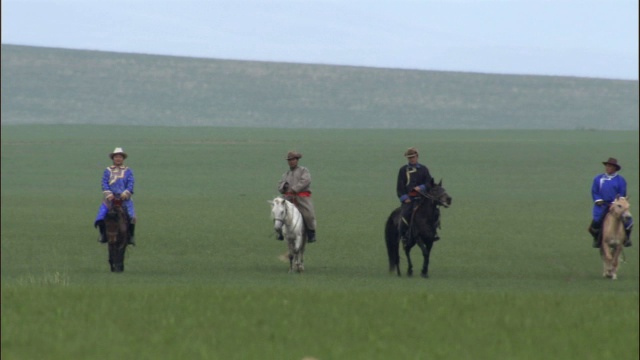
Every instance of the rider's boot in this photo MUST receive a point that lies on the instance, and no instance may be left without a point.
(594, 230)
(102, 238)
(311, 236)
(627, 241)
(132, 238)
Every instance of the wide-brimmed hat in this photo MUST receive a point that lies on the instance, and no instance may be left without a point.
(411, 152)
(614, 162)
(293, 155)
(116, 151)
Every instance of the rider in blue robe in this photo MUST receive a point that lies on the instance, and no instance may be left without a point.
(117, 182)
(604, 190)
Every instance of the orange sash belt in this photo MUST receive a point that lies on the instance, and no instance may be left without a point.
(301, 194)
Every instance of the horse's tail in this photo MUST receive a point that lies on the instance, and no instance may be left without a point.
(391, 238)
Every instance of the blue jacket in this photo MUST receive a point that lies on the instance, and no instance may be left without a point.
(116, 180)
(608, 187)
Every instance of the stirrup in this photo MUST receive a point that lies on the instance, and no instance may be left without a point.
(627, 243)
(102, 239)
(404, 240)
(132, 241)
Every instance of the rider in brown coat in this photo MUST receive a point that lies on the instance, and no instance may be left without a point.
(295, 185)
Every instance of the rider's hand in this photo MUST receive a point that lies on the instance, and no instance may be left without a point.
(110, 197)
(407, 201)
(600, 202)
(125, 195)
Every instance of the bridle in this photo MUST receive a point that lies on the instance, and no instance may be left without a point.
(286, 213)
(434, 198)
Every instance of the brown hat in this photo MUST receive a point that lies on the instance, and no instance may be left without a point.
(614, 162)
(118, 150)
(411, 152)
(293, 155)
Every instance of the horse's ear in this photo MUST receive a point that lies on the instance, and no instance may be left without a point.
(440, 183)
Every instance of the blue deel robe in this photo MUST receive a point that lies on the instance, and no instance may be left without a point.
(607, 187)
(115, 181)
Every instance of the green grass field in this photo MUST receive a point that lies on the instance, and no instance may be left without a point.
(514, 276)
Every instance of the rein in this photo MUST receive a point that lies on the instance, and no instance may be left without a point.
(431, 197)
(286, 213)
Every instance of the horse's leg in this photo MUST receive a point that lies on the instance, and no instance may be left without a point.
(393, 249)
(112, 257)
(291, 253)
(426, 254)
(121, 251)
(299, 267)
(606, 258)
(407, 249)
(616, 261)
(301, 258)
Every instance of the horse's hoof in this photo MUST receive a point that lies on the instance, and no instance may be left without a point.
(426, 276)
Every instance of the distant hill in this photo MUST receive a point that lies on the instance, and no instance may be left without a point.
(60, 86)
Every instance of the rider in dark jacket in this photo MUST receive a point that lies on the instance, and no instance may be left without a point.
(413, 179)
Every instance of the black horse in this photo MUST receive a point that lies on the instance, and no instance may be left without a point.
(117, 232)
(422, 231)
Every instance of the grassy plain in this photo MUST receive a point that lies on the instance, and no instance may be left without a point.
(513, 276)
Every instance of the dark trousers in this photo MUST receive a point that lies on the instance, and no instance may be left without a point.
(406, 213)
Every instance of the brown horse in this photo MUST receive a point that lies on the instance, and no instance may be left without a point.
(117, 233)
(613, 236)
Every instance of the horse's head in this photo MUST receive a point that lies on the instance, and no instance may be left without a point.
(620, 208)
(116, 221)
(438, 194)
(278, 212)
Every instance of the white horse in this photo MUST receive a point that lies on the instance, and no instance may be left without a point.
(613, 236)
(288, 220)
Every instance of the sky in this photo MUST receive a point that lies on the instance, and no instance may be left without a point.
(583, 38)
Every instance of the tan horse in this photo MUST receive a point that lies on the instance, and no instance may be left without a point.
(613, 236)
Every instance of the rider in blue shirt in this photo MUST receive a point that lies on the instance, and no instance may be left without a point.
(604, 190)
(117, 182)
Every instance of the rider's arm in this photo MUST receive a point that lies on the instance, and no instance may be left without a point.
(106, 189)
